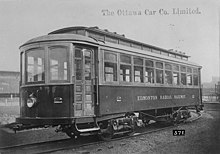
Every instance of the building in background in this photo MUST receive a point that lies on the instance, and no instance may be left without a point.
(209, 90)
(217, 91)
(9, 86)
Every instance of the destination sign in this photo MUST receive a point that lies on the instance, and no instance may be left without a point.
(160, 97)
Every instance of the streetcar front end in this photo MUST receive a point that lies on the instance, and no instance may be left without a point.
(57, 81)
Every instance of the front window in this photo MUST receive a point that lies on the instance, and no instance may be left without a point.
(35, 66)
(59, 64)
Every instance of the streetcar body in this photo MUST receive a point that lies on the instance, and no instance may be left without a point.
(88, 76)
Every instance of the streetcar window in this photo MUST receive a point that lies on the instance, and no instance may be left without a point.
(189, 79)
(88, 64)
(78, 67)
(195, 80)
(110, 57)
(149, 71)
(176, 67)
(183, 78)
(175, 78)
(159, 65)
(159, 73)
(125, 68)
(189, 70)
(110, 67)
(149, 63)
(125, 73)
(125, 59)
(138, 61)
(138, 69)
(195, 70)
(35, 65)
(59, 64)
(195, 77)
(168, 67)
(183, 69)
(138, 74)
(168, 77)
(159, 76)
(168, 74)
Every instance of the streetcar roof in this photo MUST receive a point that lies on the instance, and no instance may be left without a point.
(60, 37)
(103, 35)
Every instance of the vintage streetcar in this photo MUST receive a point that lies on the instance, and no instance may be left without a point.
(88, 80)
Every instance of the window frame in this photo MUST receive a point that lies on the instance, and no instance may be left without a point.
(68, 64)
(124, 64)
(108, 61)
(141, 67)
(171, 74)
(196, 74)
(26, 66)
(157, 69)
(189, 76)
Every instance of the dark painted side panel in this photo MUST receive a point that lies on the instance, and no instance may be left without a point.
(114, 99)
(45, 106)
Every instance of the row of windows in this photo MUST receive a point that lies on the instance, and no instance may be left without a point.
(121, 67)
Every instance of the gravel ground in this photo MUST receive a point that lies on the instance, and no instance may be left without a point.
(9, 138)
(202, 137)
(8, 114)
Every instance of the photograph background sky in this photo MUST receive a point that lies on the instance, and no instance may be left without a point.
(195, 34)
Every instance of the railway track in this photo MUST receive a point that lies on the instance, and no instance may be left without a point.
(64, 144)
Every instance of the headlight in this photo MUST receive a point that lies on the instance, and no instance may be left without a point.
(31, 102)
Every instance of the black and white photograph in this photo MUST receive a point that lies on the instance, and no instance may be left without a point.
(109, 76)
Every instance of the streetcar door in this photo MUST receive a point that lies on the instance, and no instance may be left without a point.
(83, 86)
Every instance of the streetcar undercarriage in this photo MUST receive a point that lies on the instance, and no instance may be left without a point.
(110, 127)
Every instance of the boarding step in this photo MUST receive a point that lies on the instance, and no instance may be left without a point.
(85, 129)
(88, 130)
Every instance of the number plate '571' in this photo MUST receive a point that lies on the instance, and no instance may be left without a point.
(178, 132)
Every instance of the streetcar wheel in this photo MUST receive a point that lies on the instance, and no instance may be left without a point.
(145, 121)
(71, 135)
(106, 134)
